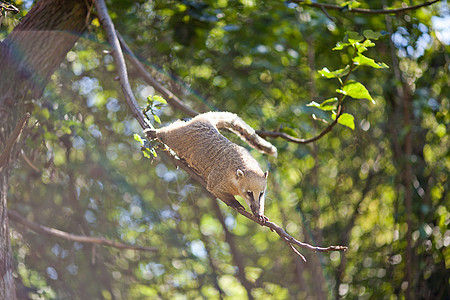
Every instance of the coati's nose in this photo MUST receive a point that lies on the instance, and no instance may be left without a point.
(254, 210)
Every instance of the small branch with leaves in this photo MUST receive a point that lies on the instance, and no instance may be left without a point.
(356, 90)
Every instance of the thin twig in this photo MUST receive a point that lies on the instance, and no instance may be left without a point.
(12, 139)
(72, 237)
(28, 161)
(171, 98)
(108, 25)
(362, 10)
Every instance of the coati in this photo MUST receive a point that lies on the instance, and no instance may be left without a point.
(227, 168)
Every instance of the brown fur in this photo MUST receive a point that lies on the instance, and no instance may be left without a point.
(228, 169)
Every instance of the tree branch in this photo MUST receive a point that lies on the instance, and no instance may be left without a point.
(289, 138)
(362, 10)
(119, 60)
(72, 237)
(112, 37)
(12, 139)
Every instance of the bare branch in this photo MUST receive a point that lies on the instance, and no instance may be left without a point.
(171, 98)
(72, 237)
(12, 139)
(108, 25)
(28, 161)
(363, 10)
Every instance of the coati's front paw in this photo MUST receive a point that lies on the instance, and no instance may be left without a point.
(237, 205)
(262, 219)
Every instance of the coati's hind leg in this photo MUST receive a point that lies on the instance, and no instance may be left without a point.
(228, 199)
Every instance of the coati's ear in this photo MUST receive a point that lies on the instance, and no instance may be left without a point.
(239, 173)
(266, 173)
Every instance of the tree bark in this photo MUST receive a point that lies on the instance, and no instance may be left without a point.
(28, 57)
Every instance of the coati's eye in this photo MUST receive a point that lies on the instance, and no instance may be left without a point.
(249, 194)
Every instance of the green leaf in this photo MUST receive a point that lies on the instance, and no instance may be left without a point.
(45, 113)
(138, 138)
(152, 98)
(149, 152)
(370, 34)
(157, 119)
(368, 43)
(313, 104)
(356, 90)
(351, 4)
(325, 72)
(289, 131)
(353, 37)
(364, 60)
(325, 105)
(346, 120)
(340, 46)
(159, 99)
(333, 74)
(361, 47)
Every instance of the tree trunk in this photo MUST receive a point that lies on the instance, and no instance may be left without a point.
(28, 57)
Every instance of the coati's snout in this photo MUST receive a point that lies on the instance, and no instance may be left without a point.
(252, 187)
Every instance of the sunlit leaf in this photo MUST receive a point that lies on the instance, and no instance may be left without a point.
(157, 119)
(325, 106)
(159, 99)
(138, 138)
(333, 74)
(355, 90)
(346, 120)
(364, 60)
(368, 43)
(351, 4)
(340, 46)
